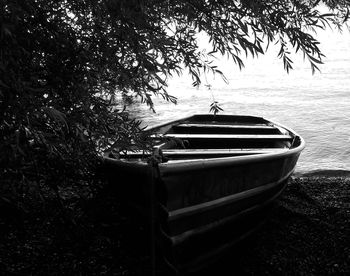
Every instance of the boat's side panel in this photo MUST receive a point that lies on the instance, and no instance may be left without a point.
(220, 206)
(200, 199)
(198, 247)
(200, 218)
(191, 187)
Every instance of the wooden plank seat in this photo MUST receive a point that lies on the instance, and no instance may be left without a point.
(279, 137)
(255, 126)
(206, 152)
(213, 128)
(222, 151)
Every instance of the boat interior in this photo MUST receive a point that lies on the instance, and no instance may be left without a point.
(208, 136)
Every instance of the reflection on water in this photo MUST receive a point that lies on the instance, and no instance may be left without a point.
(316, 106)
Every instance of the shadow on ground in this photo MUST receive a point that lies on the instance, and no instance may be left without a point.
(307, 233)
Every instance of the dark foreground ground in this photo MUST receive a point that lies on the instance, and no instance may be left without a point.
(307, 233)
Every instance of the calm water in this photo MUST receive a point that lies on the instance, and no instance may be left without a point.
(316, 106)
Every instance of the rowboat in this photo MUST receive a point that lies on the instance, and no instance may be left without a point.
(206, 181)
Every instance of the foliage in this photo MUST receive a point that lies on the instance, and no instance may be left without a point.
(65, 67)
(215, 107)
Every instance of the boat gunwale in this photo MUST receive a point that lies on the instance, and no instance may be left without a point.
(204, 163)
(196, 164)
(228, 136)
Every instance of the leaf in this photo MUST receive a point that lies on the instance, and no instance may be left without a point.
(215, 108)
(311, 58)
(346, 17)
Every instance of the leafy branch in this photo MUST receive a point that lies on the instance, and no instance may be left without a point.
(215, 108)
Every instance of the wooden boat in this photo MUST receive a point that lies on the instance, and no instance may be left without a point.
(208, 178)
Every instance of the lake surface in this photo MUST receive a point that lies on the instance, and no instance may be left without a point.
(315, 106)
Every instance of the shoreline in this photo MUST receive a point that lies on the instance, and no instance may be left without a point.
(329, 173)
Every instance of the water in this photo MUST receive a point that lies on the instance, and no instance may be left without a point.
(315, 106)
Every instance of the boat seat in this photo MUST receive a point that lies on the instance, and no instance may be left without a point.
(207, 152)
(246, 151)
(255, 126)
(196, 128)
(280, 137)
